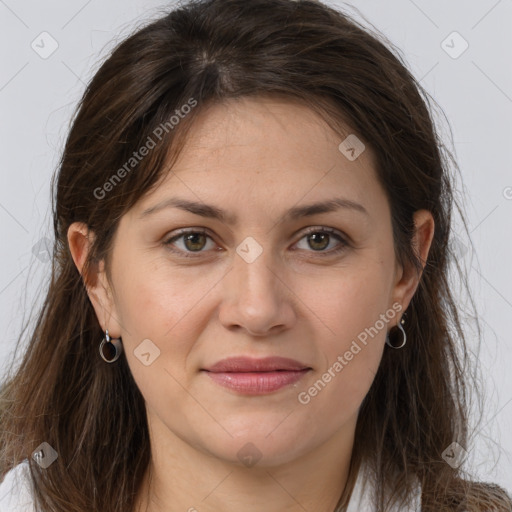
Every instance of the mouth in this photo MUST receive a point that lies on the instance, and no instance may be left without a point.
(257, 383)
(256, 376)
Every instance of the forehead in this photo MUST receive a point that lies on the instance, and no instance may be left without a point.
(284, 126)
(265, 149)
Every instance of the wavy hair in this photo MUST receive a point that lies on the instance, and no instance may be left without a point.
(211, 51)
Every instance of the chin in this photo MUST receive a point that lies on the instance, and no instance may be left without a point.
(254, 449)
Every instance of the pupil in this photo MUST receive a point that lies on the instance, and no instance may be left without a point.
(190, 238)
(314, 239)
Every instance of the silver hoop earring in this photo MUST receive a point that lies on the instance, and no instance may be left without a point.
(114, 348)
(399, 325)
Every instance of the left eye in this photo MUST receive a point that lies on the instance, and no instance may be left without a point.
(194, 241)
(320, 239)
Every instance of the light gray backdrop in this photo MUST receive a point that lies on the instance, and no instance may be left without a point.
(459, 49)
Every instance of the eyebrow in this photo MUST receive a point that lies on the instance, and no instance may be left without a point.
(214, 212)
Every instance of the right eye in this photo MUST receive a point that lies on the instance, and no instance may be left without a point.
(191, 240)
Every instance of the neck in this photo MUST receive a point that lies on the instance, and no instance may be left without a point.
(182, 478)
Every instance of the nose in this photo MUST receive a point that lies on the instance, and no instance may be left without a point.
(256, 297)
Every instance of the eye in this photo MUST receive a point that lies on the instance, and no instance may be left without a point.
(191, 241)
(319, 239)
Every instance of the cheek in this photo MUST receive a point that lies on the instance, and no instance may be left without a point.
(350, 362)
(349, 301)
(354, 314)
(165, 305)
(152, 297)
(156, 320)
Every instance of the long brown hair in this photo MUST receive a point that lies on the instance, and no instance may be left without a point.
(208, 51)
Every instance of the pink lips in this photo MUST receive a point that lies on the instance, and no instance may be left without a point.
(256, 376)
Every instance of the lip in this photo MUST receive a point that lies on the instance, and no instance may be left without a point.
(244, 364)
(252, 376)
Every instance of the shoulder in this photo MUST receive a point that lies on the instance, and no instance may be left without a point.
(466, 495)
(15, 490)
(480, 496)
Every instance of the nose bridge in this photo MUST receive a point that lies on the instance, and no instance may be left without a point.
(256, 299)
(253, 266)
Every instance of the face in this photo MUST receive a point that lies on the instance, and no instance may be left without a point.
(248, 271)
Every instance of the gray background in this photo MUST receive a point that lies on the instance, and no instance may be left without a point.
(474, 88)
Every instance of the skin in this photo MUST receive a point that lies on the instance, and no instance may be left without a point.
(254, 158)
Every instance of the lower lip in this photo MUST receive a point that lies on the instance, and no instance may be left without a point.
(257, 383)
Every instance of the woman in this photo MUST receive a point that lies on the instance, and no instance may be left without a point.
(249, 306)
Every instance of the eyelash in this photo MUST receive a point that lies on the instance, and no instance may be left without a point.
(189, 254)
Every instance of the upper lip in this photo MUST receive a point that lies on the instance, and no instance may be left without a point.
(250, 364)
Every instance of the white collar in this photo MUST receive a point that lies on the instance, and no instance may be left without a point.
(15, 490)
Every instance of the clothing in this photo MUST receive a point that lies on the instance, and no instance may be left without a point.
(15, 494)
(15, 490)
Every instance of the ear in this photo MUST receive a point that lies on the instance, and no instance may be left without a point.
(80, 240)
(408, 278)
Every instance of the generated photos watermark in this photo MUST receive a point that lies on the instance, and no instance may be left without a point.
(145, 149)
(343, 360)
